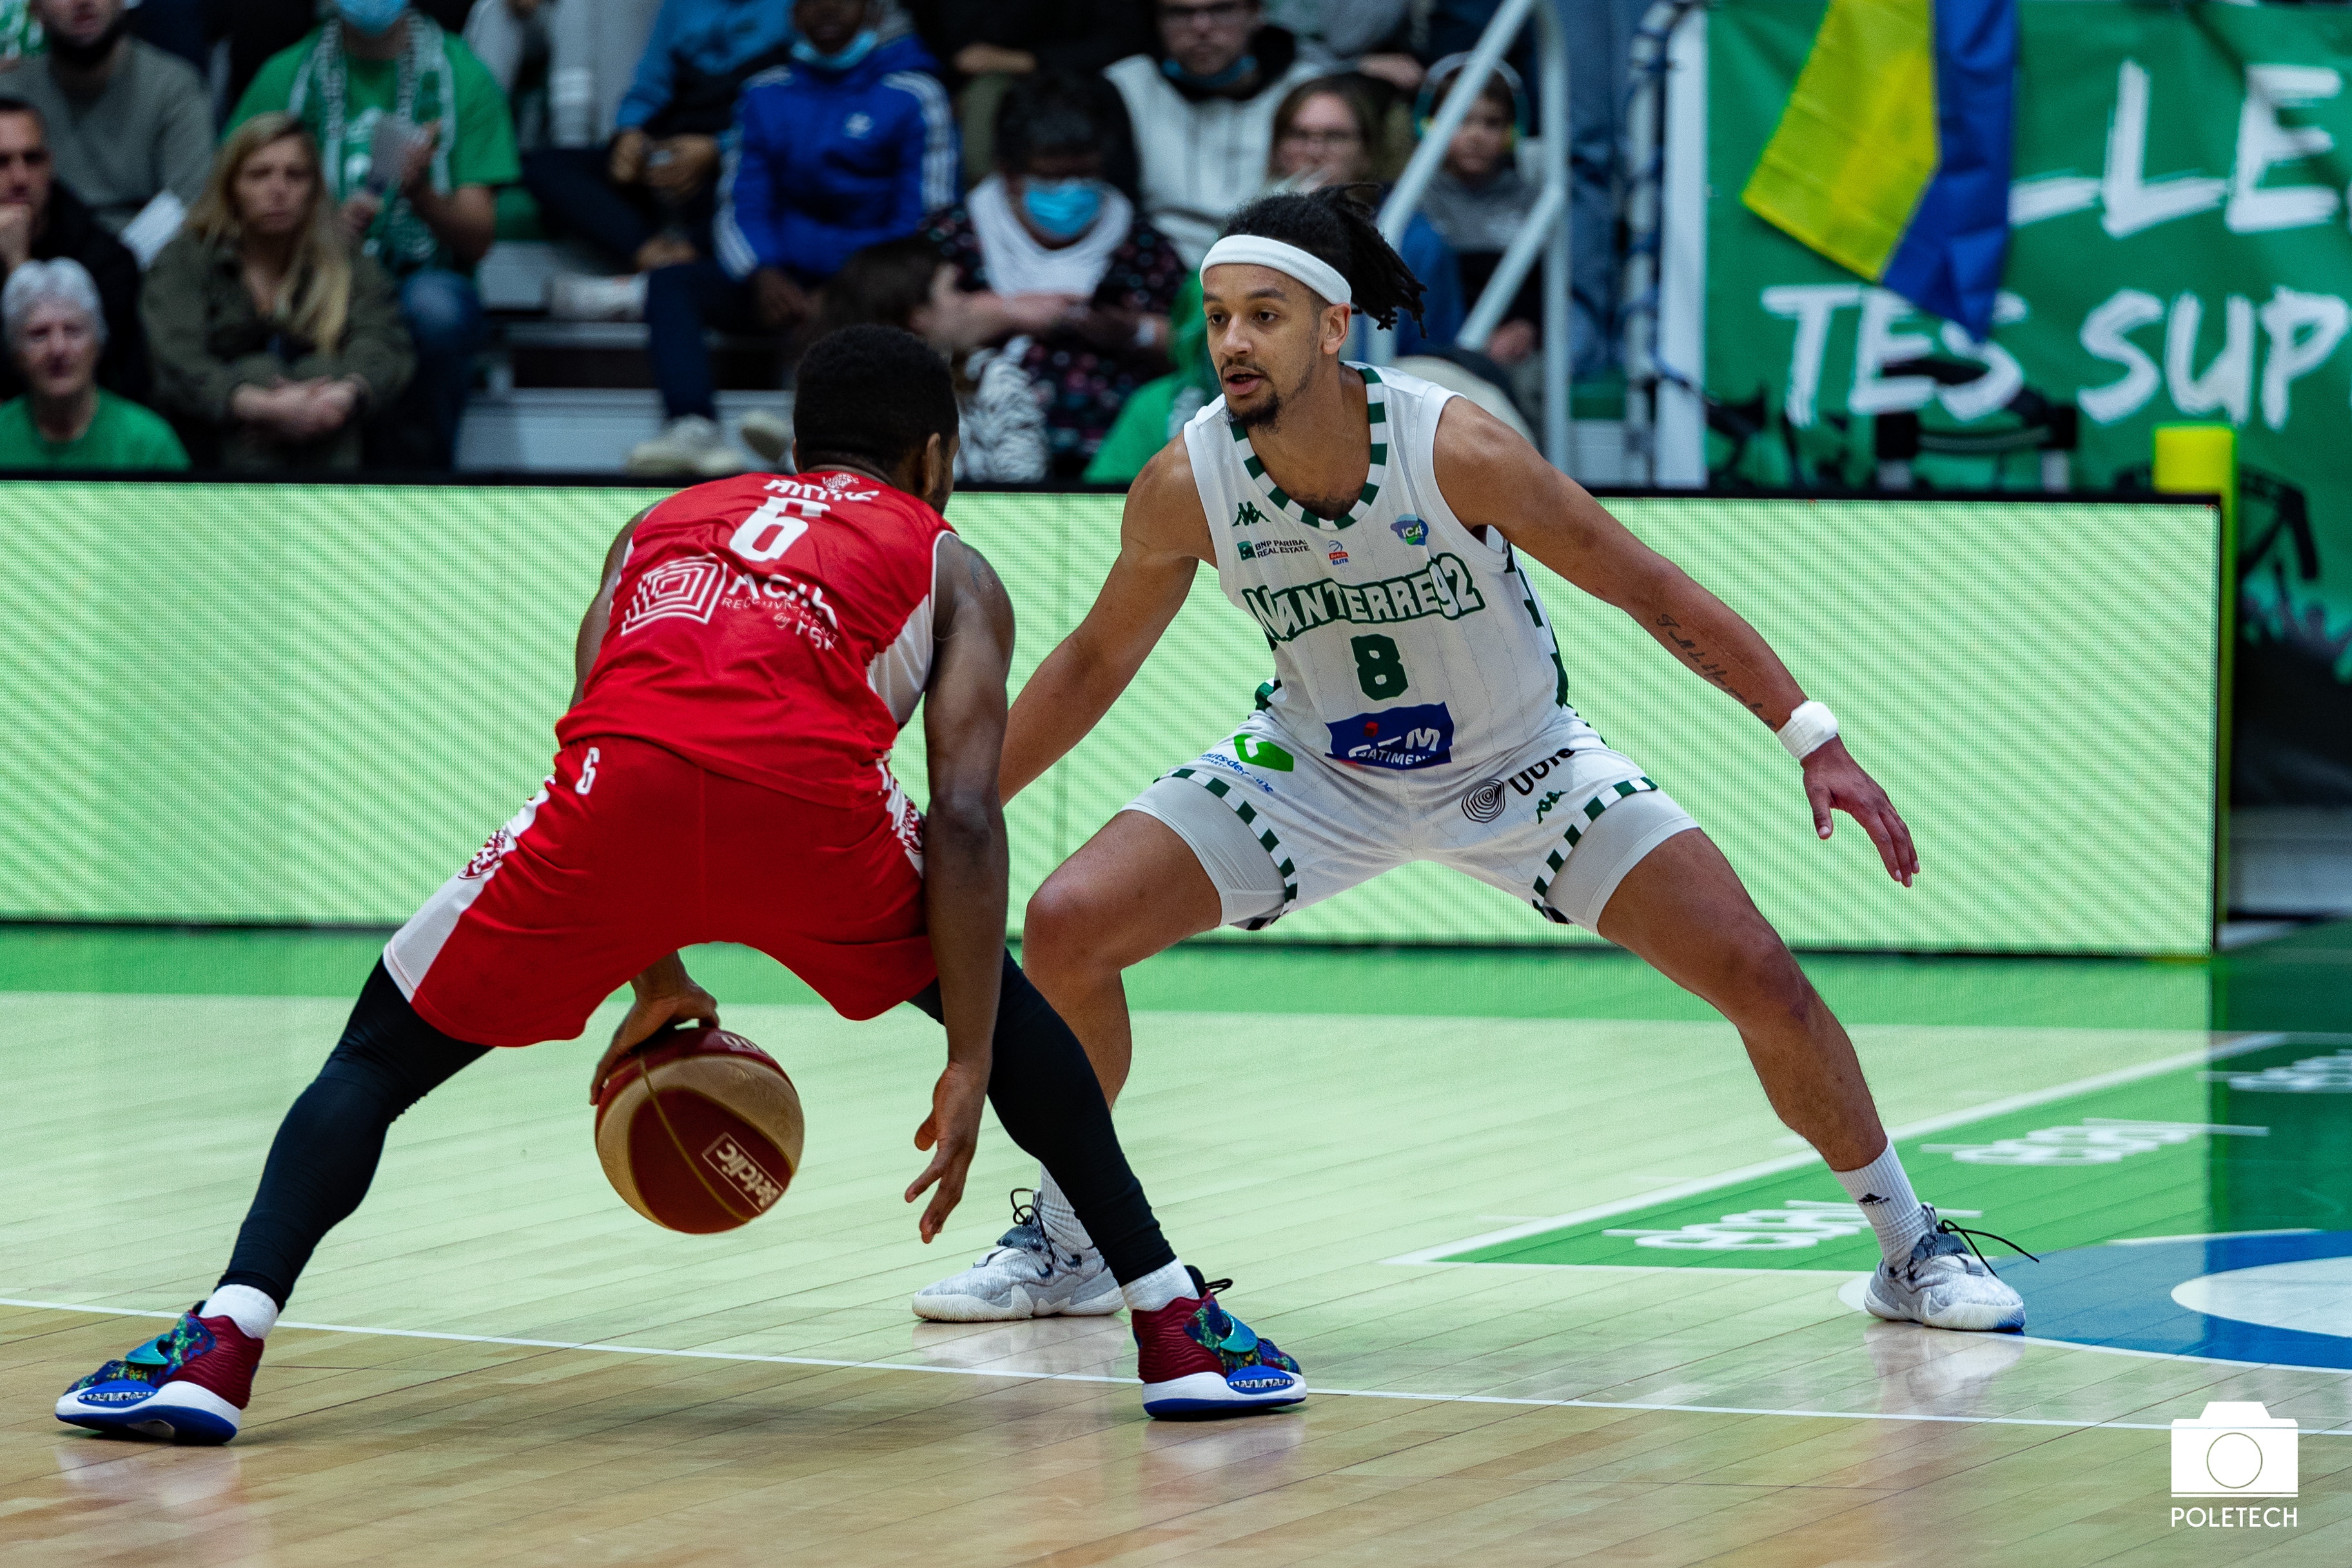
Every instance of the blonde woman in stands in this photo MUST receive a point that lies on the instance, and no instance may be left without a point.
(273, 341)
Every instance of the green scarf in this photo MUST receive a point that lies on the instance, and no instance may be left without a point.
(425, 96)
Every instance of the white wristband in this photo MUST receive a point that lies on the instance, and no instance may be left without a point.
(1810, 728)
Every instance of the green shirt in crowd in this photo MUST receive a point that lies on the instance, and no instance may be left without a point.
(341, 99)
(20, 30)
(121, 435)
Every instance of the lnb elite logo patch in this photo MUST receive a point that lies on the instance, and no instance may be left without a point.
(2235, 1450)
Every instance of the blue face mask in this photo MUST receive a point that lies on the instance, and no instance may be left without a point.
(1223, 79)
(1064, 209)
(848, 55)
(373, 17)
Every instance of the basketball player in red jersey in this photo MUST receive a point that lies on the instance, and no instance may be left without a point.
(752, 651)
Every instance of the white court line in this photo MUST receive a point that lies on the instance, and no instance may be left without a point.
(1439, 1255)
(1130, 1383)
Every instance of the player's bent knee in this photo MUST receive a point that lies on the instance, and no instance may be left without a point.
(1063, 925)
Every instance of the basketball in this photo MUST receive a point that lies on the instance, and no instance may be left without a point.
(700, 1131)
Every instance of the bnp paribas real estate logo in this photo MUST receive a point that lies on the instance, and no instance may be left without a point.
(2233, 1454)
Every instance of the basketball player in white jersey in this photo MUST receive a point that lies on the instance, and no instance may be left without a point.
(1373, 525)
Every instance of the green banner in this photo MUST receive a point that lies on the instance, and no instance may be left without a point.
(2178, 252)
(254, 703)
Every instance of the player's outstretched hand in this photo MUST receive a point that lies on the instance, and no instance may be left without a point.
(1835, 781)
(665, 994)
(952, 1132)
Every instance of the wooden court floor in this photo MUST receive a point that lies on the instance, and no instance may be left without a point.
(503, 1365)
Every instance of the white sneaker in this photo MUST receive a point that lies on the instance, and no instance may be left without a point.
(767, 433)
(1945, 1286)
(688, 445)
(573, 298)
(1025, 1275)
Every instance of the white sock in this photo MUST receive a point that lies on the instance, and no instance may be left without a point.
(248, 1307)
(1060, 1220)
(1169, 1282)
(1894, 1210)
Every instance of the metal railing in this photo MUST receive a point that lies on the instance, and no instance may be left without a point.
(1544, 229)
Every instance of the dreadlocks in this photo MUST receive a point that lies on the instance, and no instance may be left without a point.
(1336, 224)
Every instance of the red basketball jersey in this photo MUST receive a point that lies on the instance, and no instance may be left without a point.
(775, 629)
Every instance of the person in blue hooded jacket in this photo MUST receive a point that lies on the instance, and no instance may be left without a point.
(846, 145)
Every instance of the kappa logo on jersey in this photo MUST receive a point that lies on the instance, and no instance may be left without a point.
(1444, 587)
(676, 590)
(1543, 806)
(1259, 549)
(1247, 514)
(1410, 529)
(1401, 739)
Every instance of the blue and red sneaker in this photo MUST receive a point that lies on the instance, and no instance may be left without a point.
(189, 1384)
(1197, 1358)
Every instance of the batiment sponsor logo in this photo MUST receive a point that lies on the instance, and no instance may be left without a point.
(1444, 587)
(744, 1173)
(2235, 1449)
(1417, 736)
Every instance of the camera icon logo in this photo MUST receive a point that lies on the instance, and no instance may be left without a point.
(2234, 1449)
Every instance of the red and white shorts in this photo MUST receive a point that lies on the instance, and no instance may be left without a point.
(630, 852)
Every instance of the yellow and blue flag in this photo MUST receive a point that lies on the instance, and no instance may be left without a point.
(1892, 157)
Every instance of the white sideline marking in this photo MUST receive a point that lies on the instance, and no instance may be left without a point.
(1441, 1254)
(1130, 1383)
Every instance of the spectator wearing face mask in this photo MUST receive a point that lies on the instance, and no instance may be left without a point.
(128, 124)
(847, 145)
(1202, 106)
(416, 138)
(55, 331)
(1082, 282)
(41, 219)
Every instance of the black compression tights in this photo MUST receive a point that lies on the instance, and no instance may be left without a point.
(326, 1151)
(1046, 1095)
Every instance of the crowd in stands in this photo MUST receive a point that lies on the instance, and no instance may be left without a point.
(246, 233)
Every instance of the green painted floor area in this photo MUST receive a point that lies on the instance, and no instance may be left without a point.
(2298, 981)
(2257, 1142)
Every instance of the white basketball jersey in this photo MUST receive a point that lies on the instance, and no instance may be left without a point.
(1402, 639)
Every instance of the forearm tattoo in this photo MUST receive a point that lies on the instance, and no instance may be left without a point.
(1670, 630)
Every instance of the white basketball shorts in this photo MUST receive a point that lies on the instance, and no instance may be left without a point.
(1277, 827)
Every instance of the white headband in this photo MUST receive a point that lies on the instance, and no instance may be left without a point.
(1256, 250)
